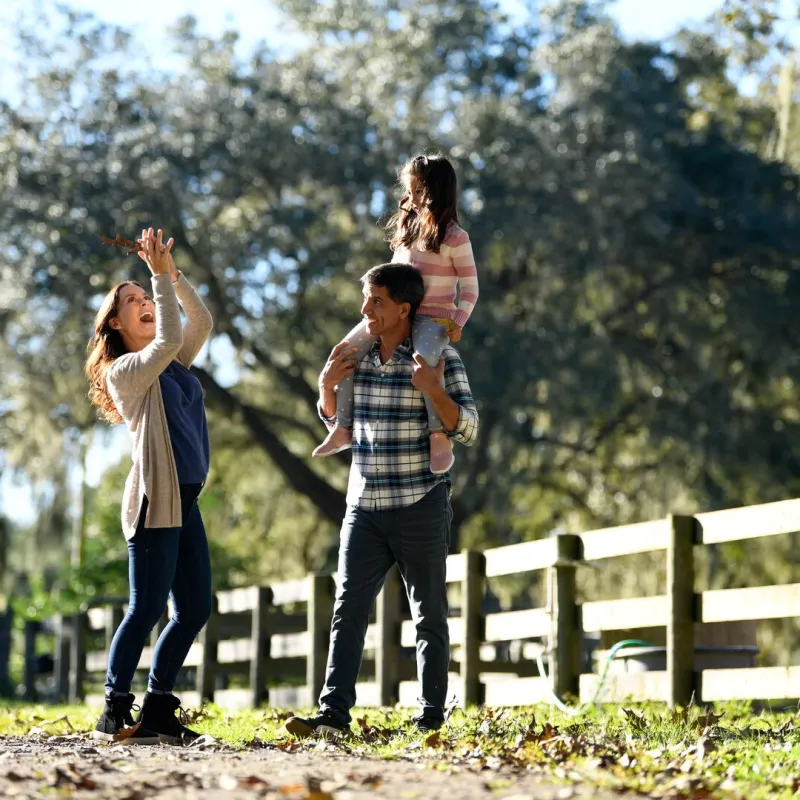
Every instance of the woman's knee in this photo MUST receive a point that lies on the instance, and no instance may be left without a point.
(194, 614)
(144, 617)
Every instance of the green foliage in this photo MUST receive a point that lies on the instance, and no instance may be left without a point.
(633, 352)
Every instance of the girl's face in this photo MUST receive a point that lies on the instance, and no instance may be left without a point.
(415, 189)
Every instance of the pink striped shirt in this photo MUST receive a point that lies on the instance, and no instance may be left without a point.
(453, 266)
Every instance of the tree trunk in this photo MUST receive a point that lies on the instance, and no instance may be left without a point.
(6, 628)
(330, 501)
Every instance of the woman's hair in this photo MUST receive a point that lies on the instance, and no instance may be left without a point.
(105, 347)
(439, 206)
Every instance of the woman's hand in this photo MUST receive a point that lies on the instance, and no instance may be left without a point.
(173, 270)
(156, 254)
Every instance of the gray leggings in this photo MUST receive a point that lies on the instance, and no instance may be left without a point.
(429, 339)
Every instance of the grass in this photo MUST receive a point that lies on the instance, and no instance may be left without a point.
(731, 751)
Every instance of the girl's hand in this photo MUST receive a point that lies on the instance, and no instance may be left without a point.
(155, 253)
(454, 333)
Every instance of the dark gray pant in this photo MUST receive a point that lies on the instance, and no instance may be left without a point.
(417, 538)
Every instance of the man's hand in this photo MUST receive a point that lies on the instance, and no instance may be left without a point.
(427, 379)
(340, 365)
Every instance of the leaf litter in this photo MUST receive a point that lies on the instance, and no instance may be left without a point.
(649, 750)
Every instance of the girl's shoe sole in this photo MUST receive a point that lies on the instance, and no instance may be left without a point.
(332, 452)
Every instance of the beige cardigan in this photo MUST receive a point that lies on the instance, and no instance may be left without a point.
(133, 384)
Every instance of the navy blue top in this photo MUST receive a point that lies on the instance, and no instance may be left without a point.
(186, 420)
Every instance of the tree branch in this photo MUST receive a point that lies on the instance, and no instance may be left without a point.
(329, 501)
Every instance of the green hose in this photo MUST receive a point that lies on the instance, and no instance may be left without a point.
(574, 712)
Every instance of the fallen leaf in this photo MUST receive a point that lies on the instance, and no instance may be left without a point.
(65, 718)
(253, 782)
(548, 732)
(705, 745)
(371, 781)
(434, 740)
(710, 718)
(69, 776)
(311, 791)
(451, 708)
(636, 721)
(126, 733)
(230, 783)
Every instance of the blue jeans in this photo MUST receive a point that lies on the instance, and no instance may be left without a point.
(163, 562)
(417, 539)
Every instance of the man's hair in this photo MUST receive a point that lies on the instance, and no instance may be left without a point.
(402, 282)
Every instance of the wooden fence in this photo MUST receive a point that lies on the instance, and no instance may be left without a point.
(268, 644)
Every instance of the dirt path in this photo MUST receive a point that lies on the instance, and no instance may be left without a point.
(76, 767)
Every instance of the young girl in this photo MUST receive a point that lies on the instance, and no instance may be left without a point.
(427, 235)
(138, 371)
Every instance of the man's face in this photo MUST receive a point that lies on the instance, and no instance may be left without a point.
(381, 313)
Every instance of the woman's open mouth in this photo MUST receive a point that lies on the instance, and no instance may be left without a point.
(148, 317)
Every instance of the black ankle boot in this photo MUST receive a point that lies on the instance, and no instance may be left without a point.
(159, 714)
(116, 723)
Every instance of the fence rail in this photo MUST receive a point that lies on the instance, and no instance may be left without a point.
(268, 644)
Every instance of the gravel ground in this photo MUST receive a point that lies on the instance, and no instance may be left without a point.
(74, 766)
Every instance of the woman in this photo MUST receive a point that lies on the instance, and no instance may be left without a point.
(138, 370)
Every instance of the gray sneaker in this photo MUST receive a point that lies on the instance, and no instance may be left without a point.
(322, 723)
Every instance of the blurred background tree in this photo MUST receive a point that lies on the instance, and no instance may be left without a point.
(633, 208)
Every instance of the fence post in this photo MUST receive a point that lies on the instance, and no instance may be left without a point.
(77, 656)
(565, 633)
(259, 647)
(61, 660)
(387, 650)
(472, 626)
(320, 611)
(31, 628)
(206, 678)
(680, 600)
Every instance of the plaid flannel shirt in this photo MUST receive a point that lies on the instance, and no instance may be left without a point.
(391, 439)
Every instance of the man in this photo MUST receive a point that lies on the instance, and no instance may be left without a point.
(397, 510)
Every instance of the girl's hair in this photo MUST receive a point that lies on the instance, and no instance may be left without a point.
(439, 206)
(105, 347)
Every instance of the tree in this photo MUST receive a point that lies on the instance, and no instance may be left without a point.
(645, 262)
